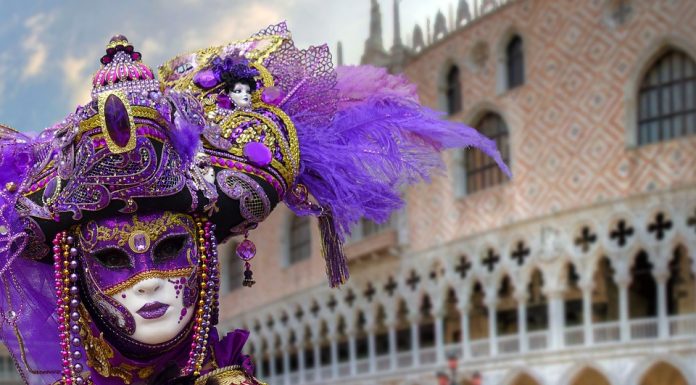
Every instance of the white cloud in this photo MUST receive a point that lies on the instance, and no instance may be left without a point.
(234, 26)
(34, 45)
(76, 80)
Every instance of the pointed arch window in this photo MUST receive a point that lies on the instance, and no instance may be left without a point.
(300, 240)
(667, 99)
(514, 55)
(482, 171)
(453, 91)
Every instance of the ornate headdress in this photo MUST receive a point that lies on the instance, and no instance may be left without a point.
(337, 144)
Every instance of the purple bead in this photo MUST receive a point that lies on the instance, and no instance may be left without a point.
(206, 79)
(224, 101)
(75, 316)
(78, 367)
(246, 250)
(117, 121)
(76, 341)
(74, 303)
(258, 154)
(77, 354)
(75, 329)
(272, 95)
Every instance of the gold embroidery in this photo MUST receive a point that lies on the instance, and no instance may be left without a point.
(141, 112)
(229, 375)
(175, 273)
(266, 45)
(153, 228)
(99, 352)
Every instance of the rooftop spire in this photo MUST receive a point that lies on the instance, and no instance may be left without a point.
(397, 25)
(339, 54)
(375, 39)
(374, 52)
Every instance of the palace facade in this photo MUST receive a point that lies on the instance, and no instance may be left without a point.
(578, 271)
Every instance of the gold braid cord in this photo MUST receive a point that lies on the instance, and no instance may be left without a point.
(229, 375)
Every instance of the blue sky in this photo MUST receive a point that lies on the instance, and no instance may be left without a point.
(50, 49)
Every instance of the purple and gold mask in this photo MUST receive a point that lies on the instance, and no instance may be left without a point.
(141, 271)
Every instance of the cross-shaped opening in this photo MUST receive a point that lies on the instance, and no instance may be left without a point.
(586, 239)
(660, 226)
(520, 253)
(622, 233)
(491, 259)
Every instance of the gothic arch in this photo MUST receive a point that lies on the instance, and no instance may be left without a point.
(444, 75)
(643, 64)
(587, 374)
(648, 366)
(522, 376)
(501, 56)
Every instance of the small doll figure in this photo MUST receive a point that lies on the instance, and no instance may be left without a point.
(232, 79)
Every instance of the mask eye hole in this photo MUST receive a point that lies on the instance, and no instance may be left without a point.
(169, 248)
(113, 258)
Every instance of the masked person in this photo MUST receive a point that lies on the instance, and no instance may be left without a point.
(110, 219)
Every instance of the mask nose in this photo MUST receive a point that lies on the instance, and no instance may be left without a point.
(148, 286)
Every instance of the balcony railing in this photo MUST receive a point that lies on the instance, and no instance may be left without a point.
(574, 336)
(509, 345)
(606, 332)
(643, 329)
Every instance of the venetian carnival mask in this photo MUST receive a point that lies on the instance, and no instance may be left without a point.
(141, 273)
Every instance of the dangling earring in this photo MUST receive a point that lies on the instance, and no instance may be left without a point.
(246, 250)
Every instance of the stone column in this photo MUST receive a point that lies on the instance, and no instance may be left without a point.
(414, 319)
(624, 327)
(317, 359)
(334, 356)
(661, 278)
(464, 334)
(272, 364)
(258, 359)
(351, 351)
(556, 318)
(301, 355)
(392, 344)
(521, 298)
(372, 348)
(286, 364)
(588, 335)
(439, 318)
(492, 303)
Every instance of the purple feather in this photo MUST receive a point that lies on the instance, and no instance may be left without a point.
(386, 140)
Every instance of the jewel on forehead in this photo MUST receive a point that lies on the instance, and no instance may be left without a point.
(139, 241)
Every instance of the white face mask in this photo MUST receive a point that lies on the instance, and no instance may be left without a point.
(157, 306)
(241, 95)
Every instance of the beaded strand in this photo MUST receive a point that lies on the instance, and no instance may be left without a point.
(207, 247)
(67, 293)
